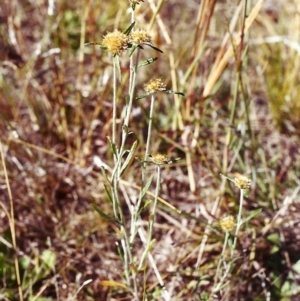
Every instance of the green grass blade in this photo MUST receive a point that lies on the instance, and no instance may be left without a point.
(104, 215)
(252, 215)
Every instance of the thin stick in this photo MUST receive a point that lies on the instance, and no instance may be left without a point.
(11, 218)
(165, 292)
(219, 67)
(207, 228)
(149, 128)
(152, 217)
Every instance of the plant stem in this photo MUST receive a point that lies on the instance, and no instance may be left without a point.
(152, 217)
(149, 128)
(133, 74)
(221, 259)
(114, 122)
(238, 226)
(139, 202)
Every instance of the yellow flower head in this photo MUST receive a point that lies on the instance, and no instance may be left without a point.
(242, 182)
(227, 223)
(160, 159)
(115, 42)
(154, 85)
(140, 36)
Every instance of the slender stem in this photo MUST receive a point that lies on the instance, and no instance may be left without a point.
(114, 122)
(238, 226)
(207, 228)
(116, 174)
(221, 258)
(149, 127)
(239, 221)
(125, 243)
(133, 70)
(139, 202)
(152, 217)
(165, 294)
(11, 218)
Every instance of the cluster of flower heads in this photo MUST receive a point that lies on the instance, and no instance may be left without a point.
(154, 85)
(116, 42)
(160, 159)
(242, 182)
(139, 37)
(227, 223)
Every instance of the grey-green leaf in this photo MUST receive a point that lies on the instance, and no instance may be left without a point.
(104, 215)
(146, 188)
(145, 205)
(108, 194)
(113, 147)
(252, 215)
(147, 62)
(129, 157)
(142, 96)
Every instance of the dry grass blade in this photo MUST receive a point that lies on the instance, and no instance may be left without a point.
(220, 65)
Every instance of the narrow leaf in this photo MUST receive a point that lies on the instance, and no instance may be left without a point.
(141, 96)
(104, 215)
(113, 147)
(145, 205)
(147, 62)
(146, 188)
(128, 30)
(129, 157)
(252, 215)
(104, 174)
(174, 92)
(125, 129)
(108, 194)
(120, 252)
(153, 47)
